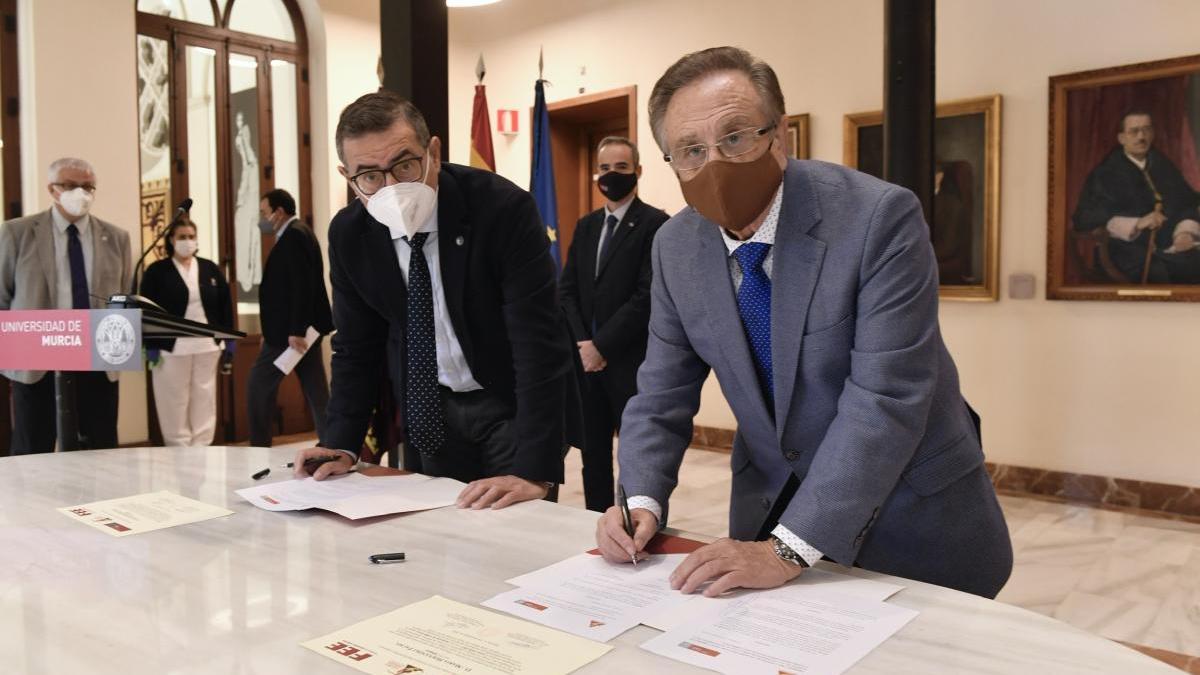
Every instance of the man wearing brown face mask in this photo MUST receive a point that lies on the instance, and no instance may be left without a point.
(811, 290)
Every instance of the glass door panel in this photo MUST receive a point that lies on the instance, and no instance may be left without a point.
(246, 188)
(285, 137)
(201, 111)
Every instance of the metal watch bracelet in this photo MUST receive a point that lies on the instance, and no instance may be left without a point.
(786, 553)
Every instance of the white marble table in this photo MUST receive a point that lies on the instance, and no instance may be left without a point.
(237, 594)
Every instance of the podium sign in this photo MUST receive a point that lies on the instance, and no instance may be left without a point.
(71, 339)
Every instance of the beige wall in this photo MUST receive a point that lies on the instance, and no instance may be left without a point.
(1065, 386)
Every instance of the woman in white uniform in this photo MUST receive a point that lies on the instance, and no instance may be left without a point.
(184, 370)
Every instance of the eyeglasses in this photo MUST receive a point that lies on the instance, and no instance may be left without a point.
(89, 188)
(407, 170)
(731, 145)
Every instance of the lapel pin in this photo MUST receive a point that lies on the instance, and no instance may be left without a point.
(458, 241)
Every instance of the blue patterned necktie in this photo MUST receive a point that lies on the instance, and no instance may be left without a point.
(754, 305)
(423, 415)
(79, 286)
(605, 239)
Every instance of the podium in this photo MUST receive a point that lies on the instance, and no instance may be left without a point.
(86, 340)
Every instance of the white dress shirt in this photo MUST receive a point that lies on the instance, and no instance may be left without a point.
(279, 232)
(62, 263)
(764, 235)
(453, 371)
(620, 214)
(194, 312)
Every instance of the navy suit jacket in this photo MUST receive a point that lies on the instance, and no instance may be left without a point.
(868, 415)
(499, 283)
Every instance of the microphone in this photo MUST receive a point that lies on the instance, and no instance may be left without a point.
(184, 207)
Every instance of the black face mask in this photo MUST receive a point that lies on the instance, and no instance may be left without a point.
(615, 186)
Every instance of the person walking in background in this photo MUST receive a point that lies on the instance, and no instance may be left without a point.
(291, 299)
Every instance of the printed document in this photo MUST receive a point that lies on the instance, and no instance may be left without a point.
(437, 636)
(792, 629)
(355, 496)
(142, 513)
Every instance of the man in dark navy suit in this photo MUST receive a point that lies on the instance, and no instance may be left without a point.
(605, 291)
(443, 273)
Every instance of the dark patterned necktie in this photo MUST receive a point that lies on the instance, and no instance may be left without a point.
(423, 407)
(606, 239)
(754, 305)
(79, 286)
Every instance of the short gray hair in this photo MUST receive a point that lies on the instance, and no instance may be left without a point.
(621, 140)
(67, 163)
(699, 64)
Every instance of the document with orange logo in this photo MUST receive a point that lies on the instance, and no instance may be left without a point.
(591, 597)
(793, 629)
(437, 636)
(142, 513)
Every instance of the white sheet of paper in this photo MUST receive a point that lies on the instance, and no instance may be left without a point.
(438, 636)
(866, 589)
(799, 630)
(355, 496)
(124, 516)
(286, 362)
(593, 598)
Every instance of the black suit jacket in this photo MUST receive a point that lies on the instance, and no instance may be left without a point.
(163, 284)
(617, 300)
(499, 284)
(292, 296)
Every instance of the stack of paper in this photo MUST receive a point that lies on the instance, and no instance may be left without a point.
(355, 496)
(823, 622)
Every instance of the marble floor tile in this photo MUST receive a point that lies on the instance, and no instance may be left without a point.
(1177, 625)
(1110, 617)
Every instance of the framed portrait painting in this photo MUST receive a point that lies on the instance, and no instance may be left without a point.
(966, 203)
(797, 136)
(1124, 183)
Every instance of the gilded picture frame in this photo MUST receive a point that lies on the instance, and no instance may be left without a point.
(1100, 120)
(966, 228)
(797, 136)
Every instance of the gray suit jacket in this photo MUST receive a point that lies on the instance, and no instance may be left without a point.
(868, 414)
(28, 274)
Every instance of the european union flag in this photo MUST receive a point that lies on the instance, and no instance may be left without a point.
(542, 181)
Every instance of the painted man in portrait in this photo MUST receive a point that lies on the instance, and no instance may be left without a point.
(1137, 193)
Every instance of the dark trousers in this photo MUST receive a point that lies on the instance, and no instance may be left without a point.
(603, 402)
(263, 386)
(34, 418)
(481, 439)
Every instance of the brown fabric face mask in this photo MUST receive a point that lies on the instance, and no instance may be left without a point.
(732, 194)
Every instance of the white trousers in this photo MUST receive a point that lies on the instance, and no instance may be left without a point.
(185, 395)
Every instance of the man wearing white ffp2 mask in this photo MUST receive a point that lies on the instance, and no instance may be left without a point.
(63, 258)
(443, 273)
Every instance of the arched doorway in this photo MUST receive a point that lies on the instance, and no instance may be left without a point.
(223, 118)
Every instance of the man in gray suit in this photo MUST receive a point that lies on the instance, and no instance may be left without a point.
(63, 258)
(811, 290)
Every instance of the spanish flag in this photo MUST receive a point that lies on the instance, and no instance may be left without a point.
(481, 132)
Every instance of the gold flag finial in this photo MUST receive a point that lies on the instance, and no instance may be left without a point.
(480, 70)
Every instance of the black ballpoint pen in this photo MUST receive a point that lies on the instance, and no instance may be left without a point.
(627, 519)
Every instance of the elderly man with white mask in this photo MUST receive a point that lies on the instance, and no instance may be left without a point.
(63, 258)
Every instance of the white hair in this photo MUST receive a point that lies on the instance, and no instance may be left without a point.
(68, 163)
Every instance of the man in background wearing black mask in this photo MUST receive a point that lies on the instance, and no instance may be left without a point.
(605, 292)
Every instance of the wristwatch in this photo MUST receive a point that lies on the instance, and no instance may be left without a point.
(786, 553)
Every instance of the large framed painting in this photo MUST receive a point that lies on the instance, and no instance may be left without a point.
(1124, 175)
(797, 136)
(966, 203)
